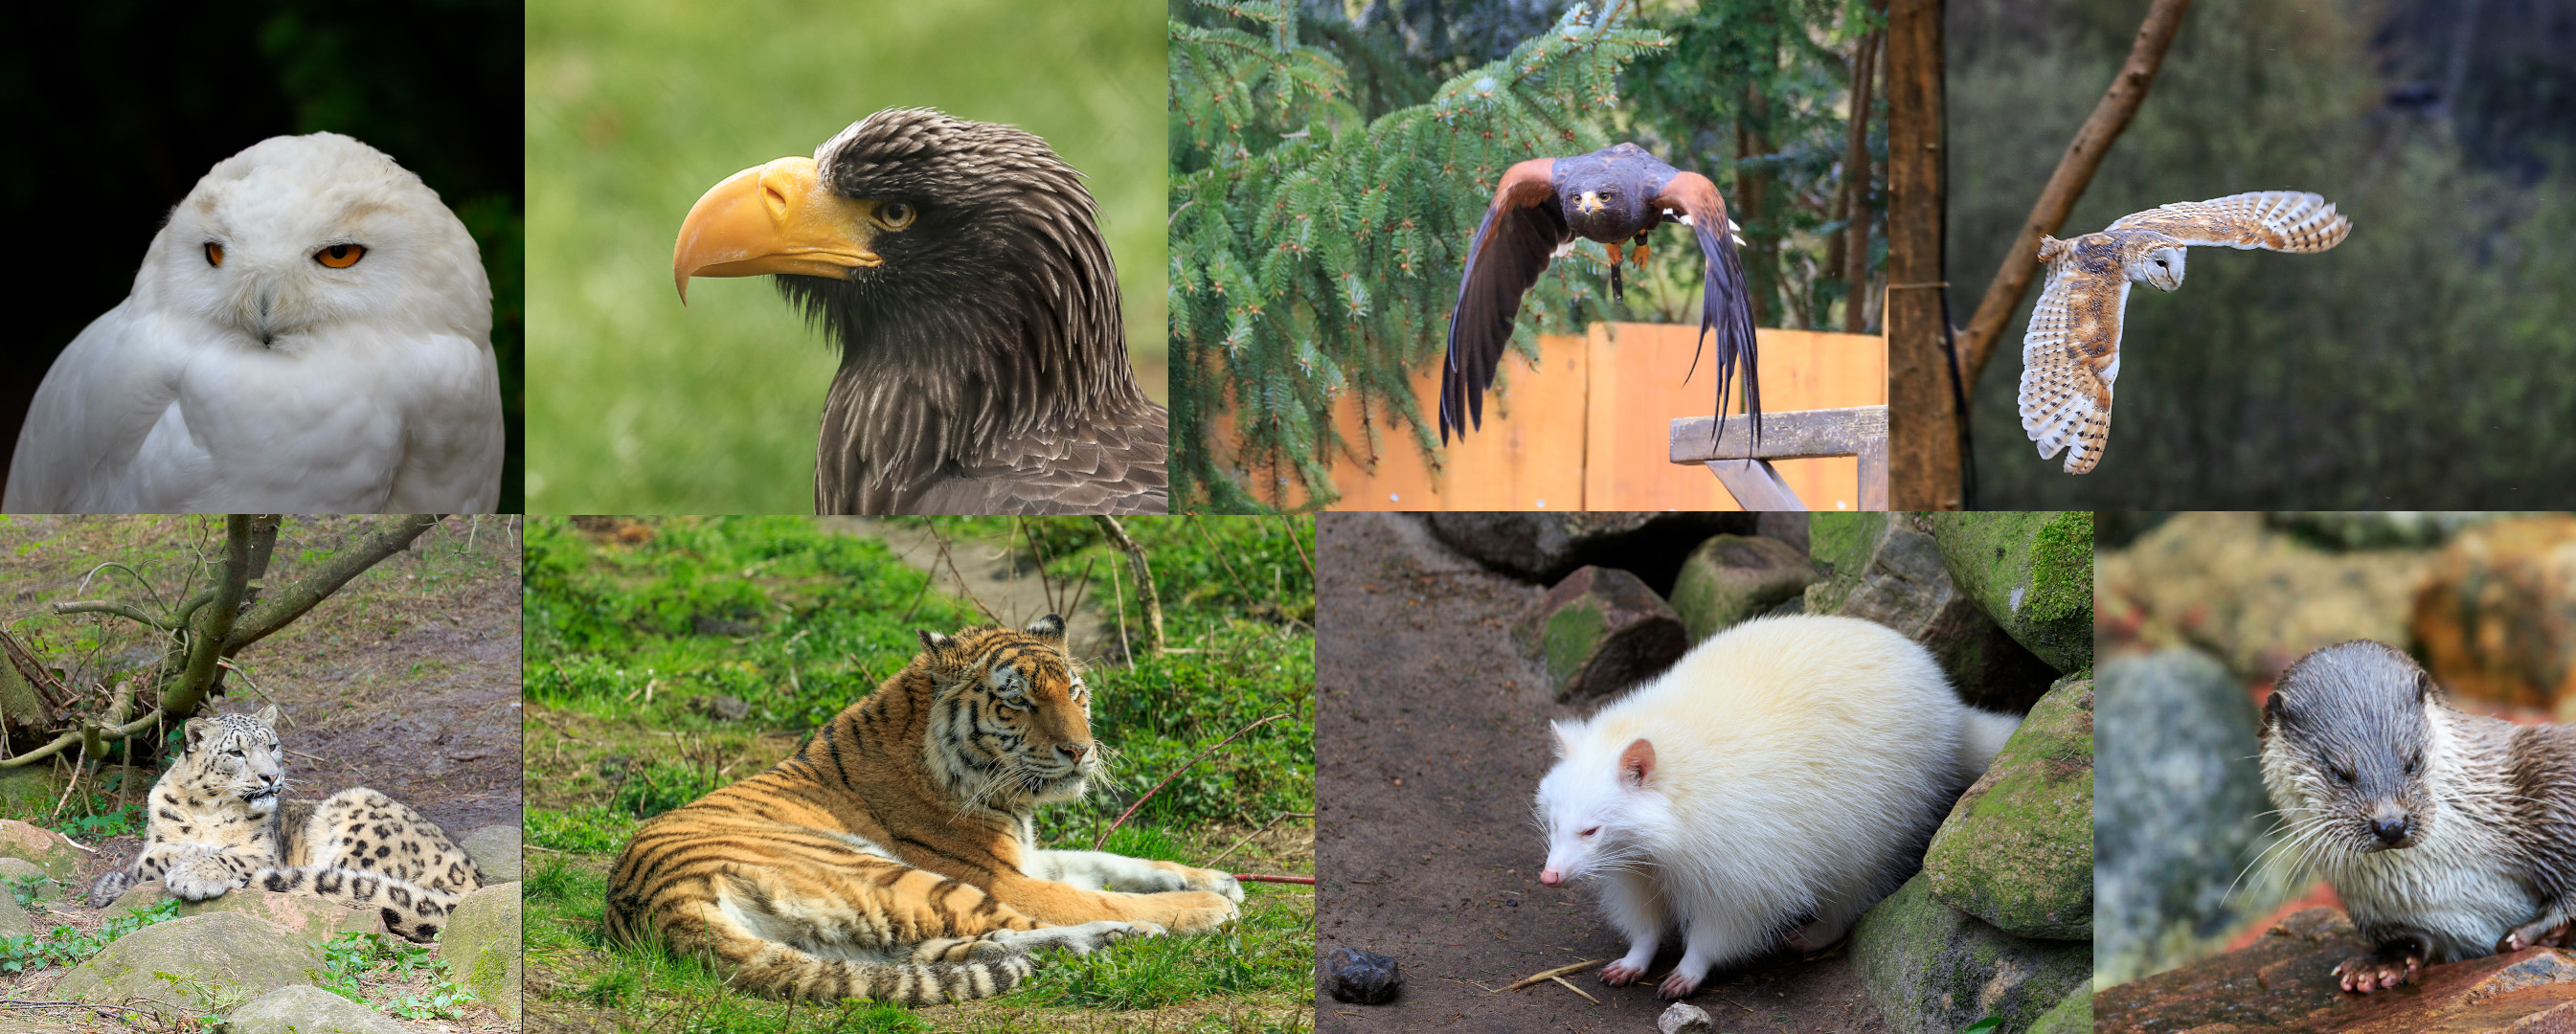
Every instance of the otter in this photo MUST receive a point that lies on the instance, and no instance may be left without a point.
(2448, 835)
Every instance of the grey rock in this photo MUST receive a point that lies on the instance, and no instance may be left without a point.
(1600, 631)
(1733, 577)
(305, 1009)
(495, 850)
(1884, 570)
(12, 869)
(218, 954)
(1685, 1018)
(1365, 977)
(1545, 547)
(730, 709)
(1933, 969)
(2177, 806)
(482, 946)
(14, 921)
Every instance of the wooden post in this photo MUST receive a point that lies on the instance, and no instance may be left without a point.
(1745, 467)
(1923, 415)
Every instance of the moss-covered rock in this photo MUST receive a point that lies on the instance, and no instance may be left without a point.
(1733, 577)
(1600, 631)
(2073, 1015)
(1902, 583)
(482, 948)
(1933, 969)
(46, 887)
(2032, 572)
(28, 790)
(195, 965)
(314, 918)
(44, 847)
(2017, 850)
(14, 920)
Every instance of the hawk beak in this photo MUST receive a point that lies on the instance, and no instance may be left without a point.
(1589, 203)
(773, 218)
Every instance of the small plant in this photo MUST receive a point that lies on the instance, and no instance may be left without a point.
(27, 889)
(119, 822)
(65, 946)
(443, 1001)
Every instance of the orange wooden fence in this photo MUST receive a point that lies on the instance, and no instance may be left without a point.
(1589, 427)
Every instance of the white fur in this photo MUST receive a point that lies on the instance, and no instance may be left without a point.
(272, 382)
(1800, 764)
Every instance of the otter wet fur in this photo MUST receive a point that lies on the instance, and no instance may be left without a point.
(1778, 780)
(2448, 835)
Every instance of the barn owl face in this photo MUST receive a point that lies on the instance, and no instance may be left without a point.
(2160, 268)
(300, 235)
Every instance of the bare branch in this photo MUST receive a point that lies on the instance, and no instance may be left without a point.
(1147, 599)
(74, 737)
(279, 607)
(123, 610)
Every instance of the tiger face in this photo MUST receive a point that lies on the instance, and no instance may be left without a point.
(237, 756)
(1014, 710)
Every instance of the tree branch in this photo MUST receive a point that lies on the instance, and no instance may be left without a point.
(280, 606)
(74, 738)
(207, 633)
(126, 611)
(1146, 597)
(2074, 173)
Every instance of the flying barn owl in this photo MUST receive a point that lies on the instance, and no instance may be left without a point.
(2071, 353)
(310, 332)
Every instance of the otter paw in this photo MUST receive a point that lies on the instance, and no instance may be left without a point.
(2363, 974)
(2520, 937)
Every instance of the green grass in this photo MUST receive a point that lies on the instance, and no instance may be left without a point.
(638, 405)
(619, 641)
(67, 946)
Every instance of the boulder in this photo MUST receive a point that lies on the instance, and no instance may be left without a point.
(1932, 968)
(2073, 1015)
(1889, 572)
(496, 852)
(304, 1009)
(14, 869)
(14, 920)
(2497, 619)
(2177, 811)
(1601, 630)
(1545, 547)
(2254, 597)
(2017, 850)
(2284, 981)
(28, 790)
(2031, 571)
(188, 966)
(314, 918)
(43, 847)
(482, 948)
(1733, 577)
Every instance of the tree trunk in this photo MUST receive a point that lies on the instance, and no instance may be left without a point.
(1856, 170)
(1922, 412)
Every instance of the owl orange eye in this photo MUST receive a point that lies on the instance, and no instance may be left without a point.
(340, 256)
(214, 254)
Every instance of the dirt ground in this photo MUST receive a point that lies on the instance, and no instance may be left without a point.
(405, 681)
(1430, 740)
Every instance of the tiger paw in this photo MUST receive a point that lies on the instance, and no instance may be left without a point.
(1221, 884)
(1192, 911)
(1081, 939)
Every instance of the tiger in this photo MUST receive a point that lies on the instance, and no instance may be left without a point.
(894, 855)
(219, 822)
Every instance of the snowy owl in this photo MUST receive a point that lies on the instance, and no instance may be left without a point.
(310, 333)
(2071, 354)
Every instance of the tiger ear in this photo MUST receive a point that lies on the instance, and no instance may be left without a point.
(1048, 627)
(933, 641)
(267, 716)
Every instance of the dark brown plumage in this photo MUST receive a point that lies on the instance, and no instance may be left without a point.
(1612, 195)
(960, 267)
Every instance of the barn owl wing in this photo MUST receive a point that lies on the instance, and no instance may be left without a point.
(2275, 220)
(2069, 358)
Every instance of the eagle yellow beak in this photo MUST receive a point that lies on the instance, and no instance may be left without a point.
(772, 218)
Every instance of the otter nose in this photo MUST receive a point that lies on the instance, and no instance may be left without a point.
(2389, 830)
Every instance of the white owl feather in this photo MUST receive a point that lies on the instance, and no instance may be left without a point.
(310, 332)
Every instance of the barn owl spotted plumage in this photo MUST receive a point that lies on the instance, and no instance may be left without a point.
(2071, 353)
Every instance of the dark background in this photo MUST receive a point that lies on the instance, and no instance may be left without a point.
(115, 109)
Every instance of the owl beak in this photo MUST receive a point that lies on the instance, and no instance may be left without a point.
(773, 218)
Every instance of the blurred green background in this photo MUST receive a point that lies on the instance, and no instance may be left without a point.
(634, 109)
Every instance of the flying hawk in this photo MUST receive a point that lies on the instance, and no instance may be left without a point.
(1612, 196)
(960, 268)
(310, 333)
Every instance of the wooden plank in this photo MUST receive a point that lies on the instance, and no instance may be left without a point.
(1756, 484)
(1528, 455)
(1792, 435)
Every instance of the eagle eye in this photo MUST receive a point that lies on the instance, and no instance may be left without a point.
(340, 256)
(895, 215)
(214, 254)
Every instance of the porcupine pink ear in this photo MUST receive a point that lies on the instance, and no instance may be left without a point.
(1637, 763)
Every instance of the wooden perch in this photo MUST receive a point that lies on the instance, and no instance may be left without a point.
(1745, 468)
(2074, 173)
